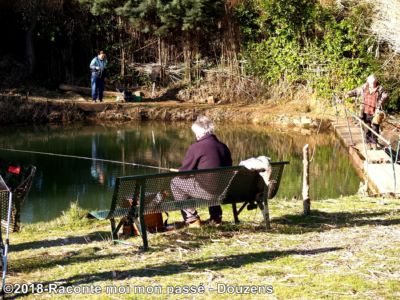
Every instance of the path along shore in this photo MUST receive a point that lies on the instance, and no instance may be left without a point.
(17, 109)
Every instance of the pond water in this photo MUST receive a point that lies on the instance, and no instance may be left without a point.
(61, 180)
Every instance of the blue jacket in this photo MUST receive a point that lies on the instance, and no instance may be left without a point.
(98, 66)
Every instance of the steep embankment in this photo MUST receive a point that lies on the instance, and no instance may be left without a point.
(22, 109)
(19, 109)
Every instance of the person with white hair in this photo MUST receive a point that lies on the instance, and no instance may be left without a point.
(373, 97)
(206, 153)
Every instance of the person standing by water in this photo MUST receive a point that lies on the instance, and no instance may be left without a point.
(98, 70)
(373, 97)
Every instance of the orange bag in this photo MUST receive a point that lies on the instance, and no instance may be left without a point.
(154, 222)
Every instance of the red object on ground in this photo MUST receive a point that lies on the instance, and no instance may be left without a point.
(14, 169)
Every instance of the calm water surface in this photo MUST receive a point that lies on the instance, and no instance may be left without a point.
(60, 181)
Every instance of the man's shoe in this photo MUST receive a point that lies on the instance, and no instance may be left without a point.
(214, 222)
(179, 225)
(194, 224)
(170, 227)
(174, 226)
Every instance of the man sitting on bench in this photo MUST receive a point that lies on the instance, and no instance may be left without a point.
(206, 153)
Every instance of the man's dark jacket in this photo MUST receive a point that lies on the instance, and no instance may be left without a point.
(208, 152)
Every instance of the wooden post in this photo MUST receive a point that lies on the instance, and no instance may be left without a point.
(306, 182)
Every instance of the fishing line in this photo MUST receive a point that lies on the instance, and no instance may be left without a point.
(335, 100)
(89, 158)
(318, 130)
(315, 145)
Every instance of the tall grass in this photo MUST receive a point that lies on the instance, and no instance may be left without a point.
(73, 217)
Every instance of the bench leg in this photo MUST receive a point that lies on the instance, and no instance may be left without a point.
(235, 213)
(266, 215)
(141, 216)
(143, 233)
(114, 232)
(265, 209)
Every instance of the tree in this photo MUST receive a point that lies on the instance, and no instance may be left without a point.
(386, 24)
(175, 21)
(29, 12)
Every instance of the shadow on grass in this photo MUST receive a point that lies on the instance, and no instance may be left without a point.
(319, 221)
(94, 236)
(214, 264)
(50, 261)
(196, 238)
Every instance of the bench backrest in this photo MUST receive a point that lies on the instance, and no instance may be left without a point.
(4, 198)
(247, 184)
(161, 192)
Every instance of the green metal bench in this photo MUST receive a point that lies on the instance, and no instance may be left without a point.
(136, 196)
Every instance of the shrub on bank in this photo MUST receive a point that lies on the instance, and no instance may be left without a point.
(327, 48)
(73, 217)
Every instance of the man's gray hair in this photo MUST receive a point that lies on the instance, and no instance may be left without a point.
(202, 126)
(371, 79)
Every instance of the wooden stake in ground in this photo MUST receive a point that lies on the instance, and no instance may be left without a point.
(306, 181)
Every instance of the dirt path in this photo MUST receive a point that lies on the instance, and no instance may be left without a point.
(73, 107)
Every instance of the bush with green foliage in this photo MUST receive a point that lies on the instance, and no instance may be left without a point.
(301, 42)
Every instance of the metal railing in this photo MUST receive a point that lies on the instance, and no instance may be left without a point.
(381, 140)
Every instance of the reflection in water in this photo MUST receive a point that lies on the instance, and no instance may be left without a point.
(97, 167)
(60, 180)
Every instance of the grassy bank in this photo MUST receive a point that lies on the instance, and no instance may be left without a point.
(347, 249)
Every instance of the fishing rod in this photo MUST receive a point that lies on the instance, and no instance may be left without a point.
(338, 100)
(89, 158)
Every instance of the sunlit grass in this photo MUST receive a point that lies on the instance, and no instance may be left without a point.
(347, 249)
